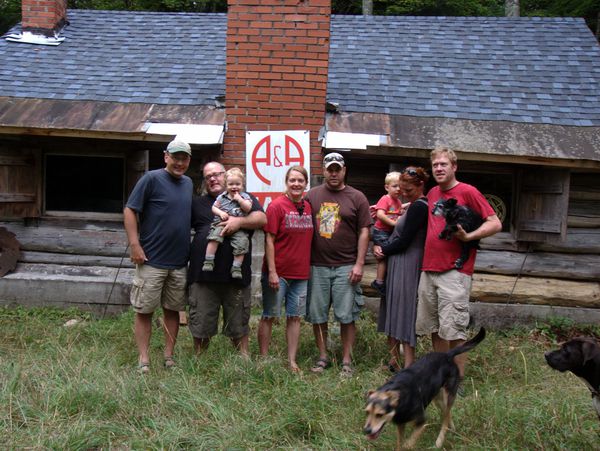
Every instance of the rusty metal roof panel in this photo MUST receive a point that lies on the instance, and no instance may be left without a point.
(499, 140)
(90, 117)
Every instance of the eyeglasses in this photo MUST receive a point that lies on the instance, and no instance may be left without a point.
(207, 177)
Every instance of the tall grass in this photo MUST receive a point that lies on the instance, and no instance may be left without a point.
(77, 388)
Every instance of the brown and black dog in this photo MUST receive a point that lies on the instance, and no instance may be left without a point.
(404, 398)
(580, 356)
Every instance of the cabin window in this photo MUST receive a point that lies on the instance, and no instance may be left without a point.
(76, 183)
(498, 190)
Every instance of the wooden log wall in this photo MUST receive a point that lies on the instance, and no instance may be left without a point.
(563, 274)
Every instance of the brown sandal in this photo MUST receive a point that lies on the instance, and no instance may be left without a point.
(321, 365)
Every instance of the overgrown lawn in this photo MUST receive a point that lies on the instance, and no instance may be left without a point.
(77, 388)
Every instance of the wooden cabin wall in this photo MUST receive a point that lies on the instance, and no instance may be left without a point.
(564, 274)
(554, 273)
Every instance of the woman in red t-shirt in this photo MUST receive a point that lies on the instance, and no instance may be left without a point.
(286, 266)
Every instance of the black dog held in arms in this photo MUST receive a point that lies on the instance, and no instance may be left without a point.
(580, 356)
(454, 215)
(404, 398)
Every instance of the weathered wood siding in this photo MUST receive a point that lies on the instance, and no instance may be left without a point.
(20, 183)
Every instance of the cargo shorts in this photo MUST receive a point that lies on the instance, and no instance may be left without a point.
(155, 287)
(208, 299)
(443, 305)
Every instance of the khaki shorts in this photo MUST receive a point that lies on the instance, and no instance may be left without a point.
(154, 287)
(206, 300)
(443, 305)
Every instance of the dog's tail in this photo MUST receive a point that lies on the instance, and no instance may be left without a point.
(467, 346)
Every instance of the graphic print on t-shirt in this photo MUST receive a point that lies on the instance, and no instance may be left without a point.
(295, 222)
(328, 219)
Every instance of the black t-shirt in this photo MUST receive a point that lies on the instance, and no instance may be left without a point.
(202, 217)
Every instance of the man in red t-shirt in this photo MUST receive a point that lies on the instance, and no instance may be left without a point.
(444, 291)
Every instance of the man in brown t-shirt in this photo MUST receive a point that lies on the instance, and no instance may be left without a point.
(341, 235)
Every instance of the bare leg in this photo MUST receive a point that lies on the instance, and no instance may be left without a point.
(320, 331)
(394, 347)
(439, 344)
(200, 345)
(171, 329)
(265, 327)
(239, 258)
(381, 268)
(242, 345)
(211, 247)
(348, 334)
(143, 332)
(292, 332)
(409, 355)
(461, 359)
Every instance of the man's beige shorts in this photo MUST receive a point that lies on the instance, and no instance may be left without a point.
(154, 287)
(443, 305)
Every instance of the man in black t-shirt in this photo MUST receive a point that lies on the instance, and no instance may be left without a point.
(211, 291)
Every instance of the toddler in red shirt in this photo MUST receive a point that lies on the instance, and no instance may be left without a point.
(387, 210)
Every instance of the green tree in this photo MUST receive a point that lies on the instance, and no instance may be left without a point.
(10, 14)
(442, 7)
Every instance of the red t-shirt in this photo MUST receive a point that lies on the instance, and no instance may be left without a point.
(338, 217)
(293, 235)
(391, 207)
(440, 255)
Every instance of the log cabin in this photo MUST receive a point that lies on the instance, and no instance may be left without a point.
(89, 99)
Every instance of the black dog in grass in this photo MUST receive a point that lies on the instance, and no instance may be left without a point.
(454, 215)
(404, 398)
(580, 356)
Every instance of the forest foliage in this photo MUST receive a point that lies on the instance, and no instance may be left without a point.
(10, 10)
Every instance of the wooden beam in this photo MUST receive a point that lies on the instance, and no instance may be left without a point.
(17, 197)
(536, 291)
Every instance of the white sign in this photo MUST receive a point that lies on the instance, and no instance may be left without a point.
(268, 157)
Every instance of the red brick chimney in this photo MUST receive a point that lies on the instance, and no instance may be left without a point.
(277, 62)
(43, 16)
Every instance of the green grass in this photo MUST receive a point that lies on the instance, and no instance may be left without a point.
(77, 388)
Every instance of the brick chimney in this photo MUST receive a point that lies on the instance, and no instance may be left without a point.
(277, 62)
(44, 17)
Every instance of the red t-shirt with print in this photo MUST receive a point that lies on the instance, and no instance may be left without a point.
(293, 236)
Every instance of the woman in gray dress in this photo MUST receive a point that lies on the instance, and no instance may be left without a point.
(404, 252)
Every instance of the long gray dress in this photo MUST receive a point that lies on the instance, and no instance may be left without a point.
(398, 309)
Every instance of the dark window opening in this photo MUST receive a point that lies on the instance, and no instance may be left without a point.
(90, 184)
(497, 188)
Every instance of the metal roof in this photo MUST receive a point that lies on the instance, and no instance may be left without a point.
(530, 70)
(524, 71)
(122, 56)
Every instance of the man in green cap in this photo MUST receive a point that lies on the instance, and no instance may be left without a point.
(157, 220)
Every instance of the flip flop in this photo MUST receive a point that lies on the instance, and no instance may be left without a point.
(144, 367)
(320, 365)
